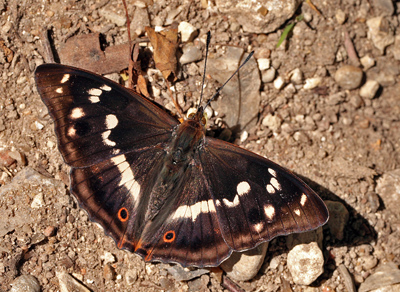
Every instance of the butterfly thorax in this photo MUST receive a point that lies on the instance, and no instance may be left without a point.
(187, 139)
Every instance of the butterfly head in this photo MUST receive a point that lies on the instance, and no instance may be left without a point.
(198, 115)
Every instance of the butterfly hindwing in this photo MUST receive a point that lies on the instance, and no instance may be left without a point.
(258, 200)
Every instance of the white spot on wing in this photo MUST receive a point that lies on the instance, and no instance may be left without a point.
(193, 211)
(269, 211)
(303, 199)
(107, 141)
(243, 188)
(258, 227)
(77, 113)
(270, 189)
(272, 172)
(65, 78)
(127, 176)
(95, 91)
(234, 203)
(276, 184)
(111, 121)
(59, 90)
(105, 88)
(94, 99)
(297, 212)
(71, 131)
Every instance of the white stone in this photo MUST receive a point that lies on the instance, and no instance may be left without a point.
(188, 32)
(306, 263)
(264, 64)
(369, 89)
(367, 62)
(311, 83)
(279, 82)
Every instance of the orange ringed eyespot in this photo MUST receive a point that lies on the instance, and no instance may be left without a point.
(169, 236)
(123, 214)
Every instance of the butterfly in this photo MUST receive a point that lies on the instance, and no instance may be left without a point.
(161, 188)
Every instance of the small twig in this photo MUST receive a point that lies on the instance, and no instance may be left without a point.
(227, 283)
(47, 51)
(351, 51)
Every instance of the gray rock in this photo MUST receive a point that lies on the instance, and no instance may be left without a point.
(268, 75)
(380, 32)
(243, 266)
(388, 188)
(191, 53)
(70, 284)
(367, 62)
(113, 17)
(141, 20)
(241, 96)
(385, 7)
(369, 89)
(258, 16)
(385, 278)
(349, 77)
(347, 278)
(188, 31)
(396, 48)
(272, 122)
(305, 263)
(184, 274)
(25, 283)
(338, 217)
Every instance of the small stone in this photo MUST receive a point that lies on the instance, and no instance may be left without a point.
(182, 274)
(244, 266)
(108, 272)
(349, 77)
(305, 263)
(131, 277)
(338, 217)
(279, 82)
(37, 201)
(340, 16)
(188, 32)
(191, 53)
(367, 62)
(369, 263)
(113, 17)
(369, 89)
(268, 75)
(50, 231)
(243, 136)
(68, 283)
(25, 283)
(385, 278)
(380, 32)
(385, 7)
(264, 63)
(388, 188)
(396, 48)
(141, 17)
(272, 122)
(38, 125)
(108, 257)
(296, 76)
(312, 83)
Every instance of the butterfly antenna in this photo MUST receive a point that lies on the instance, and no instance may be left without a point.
(234, 73)
(205, 63)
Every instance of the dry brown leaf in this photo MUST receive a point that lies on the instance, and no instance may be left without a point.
(165, 44)
(142, 86)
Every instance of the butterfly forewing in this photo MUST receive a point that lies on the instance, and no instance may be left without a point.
(160, 188)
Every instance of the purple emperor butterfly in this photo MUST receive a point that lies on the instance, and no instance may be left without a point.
(160, 188)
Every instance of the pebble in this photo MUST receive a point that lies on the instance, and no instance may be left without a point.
(37, 201)
(312, 83)
(305, 263)
(141, 17)
(131, 277)
(184, 274)
(369, 89)
(338, 218)
(268, 76)
(25, 283)
(279, 82)
(264, 63)
(296, 76)
(396, 48)
(119, 20)
(50, 231)
(367, 62)
(380, 32)
(188, 31)
(67, 283)
(244, 266)
(340, 16)
(388, 188)
(191, 53)
(108, 258)
(349, 77)
(272, 122)
(347, 278)
(385, 278)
